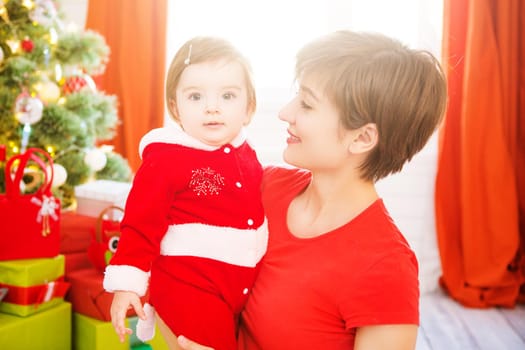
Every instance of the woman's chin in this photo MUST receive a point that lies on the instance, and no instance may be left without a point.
(290, 159)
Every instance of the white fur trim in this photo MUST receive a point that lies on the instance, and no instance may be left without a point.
(125, 277)
(173, 134)
(227, 244)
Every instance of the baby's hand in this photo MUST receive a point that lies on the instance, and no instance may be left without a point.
(122, 302)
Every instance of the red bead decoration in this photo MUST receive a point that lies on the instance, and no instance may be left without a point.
(27, 45)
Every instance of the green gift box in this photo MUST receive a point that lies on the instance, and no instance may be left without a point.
(49, 329)
(33, 285)
(92, 334)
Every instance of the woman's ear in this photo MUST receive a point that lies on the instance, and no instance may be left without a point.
(363, 139)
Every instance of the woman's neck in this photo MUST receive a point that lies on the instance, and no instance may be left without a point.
(330, 201)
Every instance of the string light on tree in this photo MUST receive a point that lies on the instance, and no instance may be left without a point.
(13, 45)
(3, 12)
(28, 4)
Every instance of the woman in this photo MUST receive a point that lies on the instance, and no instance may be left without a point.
(338, 274)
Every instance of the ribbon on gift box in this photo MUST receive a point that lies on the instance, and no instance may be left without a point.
(48, 208)
(36, 295)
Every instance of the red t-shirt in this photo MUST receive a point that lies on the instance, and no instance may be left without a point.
(313, 293)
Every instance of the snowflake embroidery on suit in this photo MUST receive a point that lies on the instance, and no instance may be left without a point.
(206, 181)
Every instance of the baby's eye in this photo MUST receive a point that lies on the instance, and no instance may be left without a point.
(195, 96)
(228, 96)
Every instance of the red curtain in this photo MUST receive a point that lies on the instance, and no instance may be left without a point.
(135, 31)
(480, 184)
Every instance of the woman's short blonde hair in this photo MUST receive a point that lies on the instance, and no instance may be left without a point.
(372, 78)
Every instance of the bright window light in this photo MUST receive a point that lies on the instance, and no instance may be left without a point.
(270, 32)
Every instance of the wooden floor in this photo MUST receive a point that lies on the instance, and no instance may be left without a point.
(446, 325)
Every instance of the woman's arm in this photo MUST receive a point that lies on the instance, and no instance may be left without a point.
(187, 344)
(385, 337)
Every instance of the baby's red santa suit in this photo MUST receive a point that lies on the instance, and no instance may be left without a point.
(193, 216)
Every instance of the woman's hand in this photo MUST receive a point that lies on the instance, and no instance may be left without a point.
(187, 344)
(122, 302)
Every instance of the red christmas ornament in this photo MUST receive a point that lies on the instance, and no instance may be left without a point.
(74, 84)
(2, 153)
(27, 45)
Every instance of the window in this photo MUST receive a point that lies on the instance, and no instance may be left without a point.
(270, 32)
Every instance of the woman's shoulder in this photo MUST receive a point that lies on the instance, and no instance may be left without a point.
(284, 176)
(280, 172)
(281, 181)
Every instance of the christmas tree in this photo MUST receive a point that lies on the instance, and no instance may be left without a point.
(49, 100)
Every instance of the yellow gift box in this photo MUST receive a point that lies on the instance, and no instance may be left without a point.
(92, 334)
(50, 329)
(33, 285)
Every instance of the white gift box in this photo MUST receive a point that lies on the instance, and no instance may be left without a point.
(95, 196)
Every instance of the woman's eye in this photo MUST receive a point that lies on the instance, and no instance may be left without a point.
(305, 105)
(194, 96)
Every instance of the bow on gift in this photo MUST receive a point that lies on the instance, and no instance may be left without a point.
(47, 209)
(36, 295)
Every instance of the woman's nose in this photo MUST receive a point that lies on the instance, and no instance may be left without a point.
(285, 114)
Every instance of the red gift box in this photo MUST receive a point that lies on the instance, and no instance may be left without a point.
(88, 295)
(30, 221)
(75, 232)
(76, 261)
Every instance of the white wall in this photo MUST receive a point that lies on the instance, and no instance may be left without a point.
(408, 195)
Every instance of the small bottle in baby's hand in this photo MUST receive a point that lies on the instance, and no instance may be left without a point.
(146, 328)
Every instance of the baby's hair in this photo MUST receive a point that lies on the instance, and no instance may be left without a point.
(207, 49)
(372, 78)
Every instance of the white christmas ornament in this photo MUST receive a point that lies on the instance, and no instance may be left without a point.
(1, 55)
(28, 110)
(59, 175)
(96, 159)
(44, 12)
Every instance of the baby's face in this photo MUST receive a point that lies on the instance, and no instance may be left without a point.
(212, 101)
